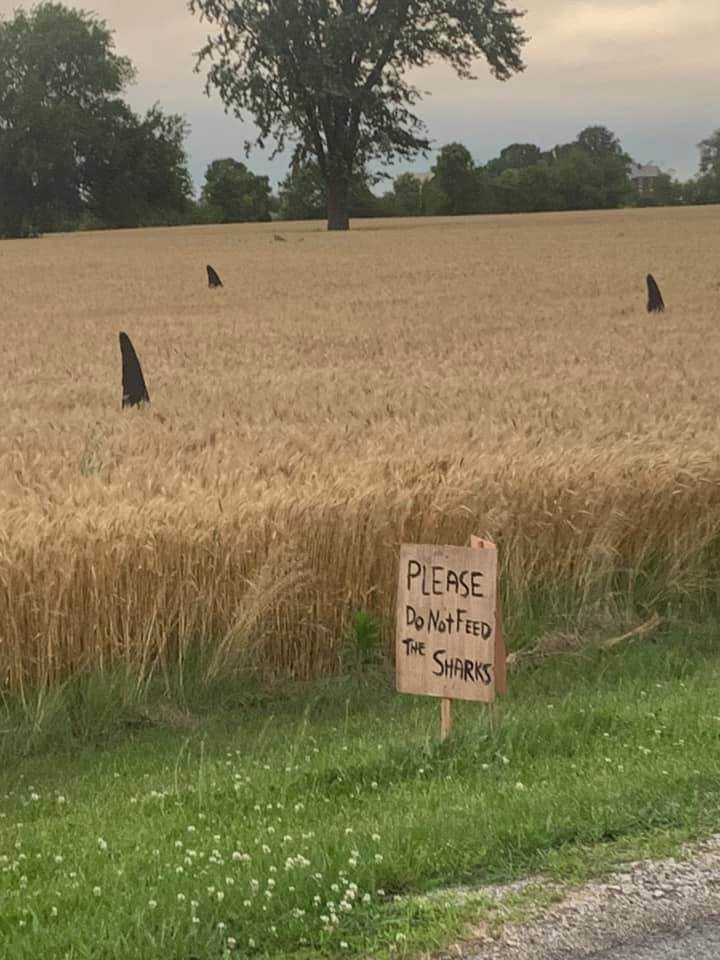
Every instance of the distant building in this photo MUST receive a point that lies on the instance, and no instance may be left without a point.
(423, 177)
(645, 176)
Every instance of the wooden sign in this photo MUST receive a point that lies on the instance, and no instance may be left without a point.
(446, 616)
(500, 649)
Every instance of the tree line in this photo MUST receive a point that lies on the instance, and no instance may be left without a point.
(591, 173)
(73, 154)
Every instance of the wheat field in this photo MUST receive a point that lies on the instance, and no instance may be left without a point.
(412, 380)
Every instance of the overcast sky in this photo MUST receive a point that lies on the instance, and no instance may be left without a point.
(648, 69)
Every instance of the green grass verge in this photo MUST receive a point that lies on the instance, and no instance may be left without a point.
(306, 824)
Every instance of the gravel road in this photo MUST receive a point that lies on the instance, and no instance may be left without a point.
(699, 942)
(664, 910)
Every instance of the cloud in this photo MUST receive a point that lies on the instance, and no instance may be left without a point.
(646, 68)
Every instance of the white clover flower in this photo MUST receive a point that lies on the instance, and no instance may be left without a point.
(96, 891)
(58, 858)
(376, 837)
(373, 785)
(220, 896)
(54, 912)
(181, 898)
(152, 904)
(247, 903)
(366, 898)
(271, 882)
(102, 844)
(519, 786)
(251, 943)
(232, 943)
(378, 858)
(265, 848)
(352, 862)
(400, 937)
(343, 945)
(61, 799)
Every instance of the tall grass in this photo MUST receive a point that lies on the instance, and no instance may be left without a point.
(340, 396)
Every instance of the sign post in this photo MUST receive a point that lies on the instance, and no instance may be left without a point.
(448, 645)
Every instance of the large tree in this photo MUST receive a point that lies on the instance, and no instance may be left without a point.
(705, 188)
(331, 75)
(710, 154)
(405, 199)
(516, 157)
(135, 170)
(454, 174)
(235, 193)
(71, 150)
(58, 74)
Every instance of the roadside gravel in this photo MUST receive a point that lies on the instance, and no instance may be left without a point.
(646, 910)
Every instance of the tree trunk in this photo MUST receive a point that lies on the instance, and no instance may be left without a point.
(338, 204)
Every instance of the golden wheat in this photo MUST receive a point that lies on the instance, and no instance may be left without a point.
(414, 380)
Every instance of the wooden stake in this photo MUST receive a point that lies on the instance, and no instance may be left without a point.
(500, 650)
(492, 709)
(445, 719)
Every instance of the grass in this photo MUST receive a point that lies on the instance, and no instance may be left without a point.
(309, 823)
(412, 381)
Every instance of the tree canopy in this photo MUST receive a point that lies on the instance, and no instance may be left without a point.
(236, 194)
(454, 174)
(331, 75)
(70, 147)
(710, 154)
(705, 188)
